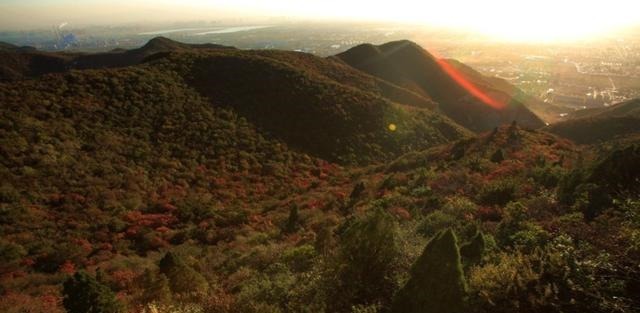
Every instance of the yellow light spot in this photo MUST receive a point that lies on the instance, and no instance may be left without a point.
(392, 127)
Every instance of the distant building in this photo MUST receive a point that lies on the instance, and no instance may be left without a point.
(67, 41)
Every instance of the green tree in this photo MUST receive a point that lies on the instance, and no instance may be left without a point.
(324, 239)
(84, 294)
(437, 281)
(367, 263)
(183, 279)
(156, 288)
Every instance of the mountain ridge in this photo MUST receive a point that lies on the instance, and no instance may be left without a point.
(618, 122)
(407, 64)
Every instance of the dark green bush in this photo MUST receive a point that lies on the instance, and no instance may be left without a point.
(498, 193)
(84, 294)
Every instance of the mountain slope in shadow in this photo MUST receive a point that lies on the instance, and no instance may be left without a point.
(303, 106)
(476, 106)
(621, 121)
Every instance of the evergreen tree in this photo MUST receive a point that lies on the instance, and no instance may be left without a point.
(437, 282)
(357, 191)
(473, 251)
(183, 279)
(498, 156)
(292, 221)
(84, 294)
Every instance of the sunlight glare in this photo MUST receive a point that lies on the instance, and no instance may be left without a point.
(540, 20)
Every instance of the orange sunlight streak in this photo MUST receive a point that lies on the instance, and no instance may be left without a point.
(459, 78)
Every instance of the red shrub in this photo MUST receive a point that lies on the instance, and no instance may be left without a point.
(401, 213)
(123, 279)
(489, 213)
(168, 207)
(106, 246)
(67, 267)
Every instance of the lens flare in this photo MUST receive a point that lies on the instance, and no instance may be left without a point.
(470, 87)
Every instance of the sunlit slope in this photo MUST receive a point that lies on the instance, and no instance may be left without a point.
(127, 131)
(476, 106)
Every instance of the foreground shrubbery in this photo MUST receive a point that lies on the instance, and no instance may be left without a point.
(185, 207)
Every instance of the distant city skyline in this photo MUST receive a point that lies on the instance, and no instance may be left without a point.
(518, 20)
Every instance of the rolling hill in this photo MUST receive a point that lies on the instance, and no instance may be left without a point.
(618, 122)
(316, 105)
(478, 107)
(310, 111)
(21, 63)
(18, 64)
(136, 56)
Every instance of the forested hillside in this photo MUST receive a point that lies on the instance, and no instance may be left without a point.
(215, 180)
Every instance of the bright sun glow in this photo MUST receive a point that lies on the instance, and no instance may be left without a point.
(519, 20)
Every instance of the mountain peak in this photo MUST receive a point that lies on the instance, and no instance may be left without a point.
(162, 43)
(365, 53)
(463, 94)
(400, 44)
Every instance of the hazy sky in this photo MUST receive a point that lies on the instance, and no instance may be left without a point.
(524, 19)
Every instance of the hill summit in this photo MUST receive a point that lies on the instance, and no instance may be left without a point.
(477, 105)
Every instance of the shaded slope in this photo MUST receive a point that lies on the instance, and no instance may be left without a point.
(617, 122)
(7, 46)
(332, 68)
(4, 46)
(21, 64)
(310, 111)
(406, 64)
